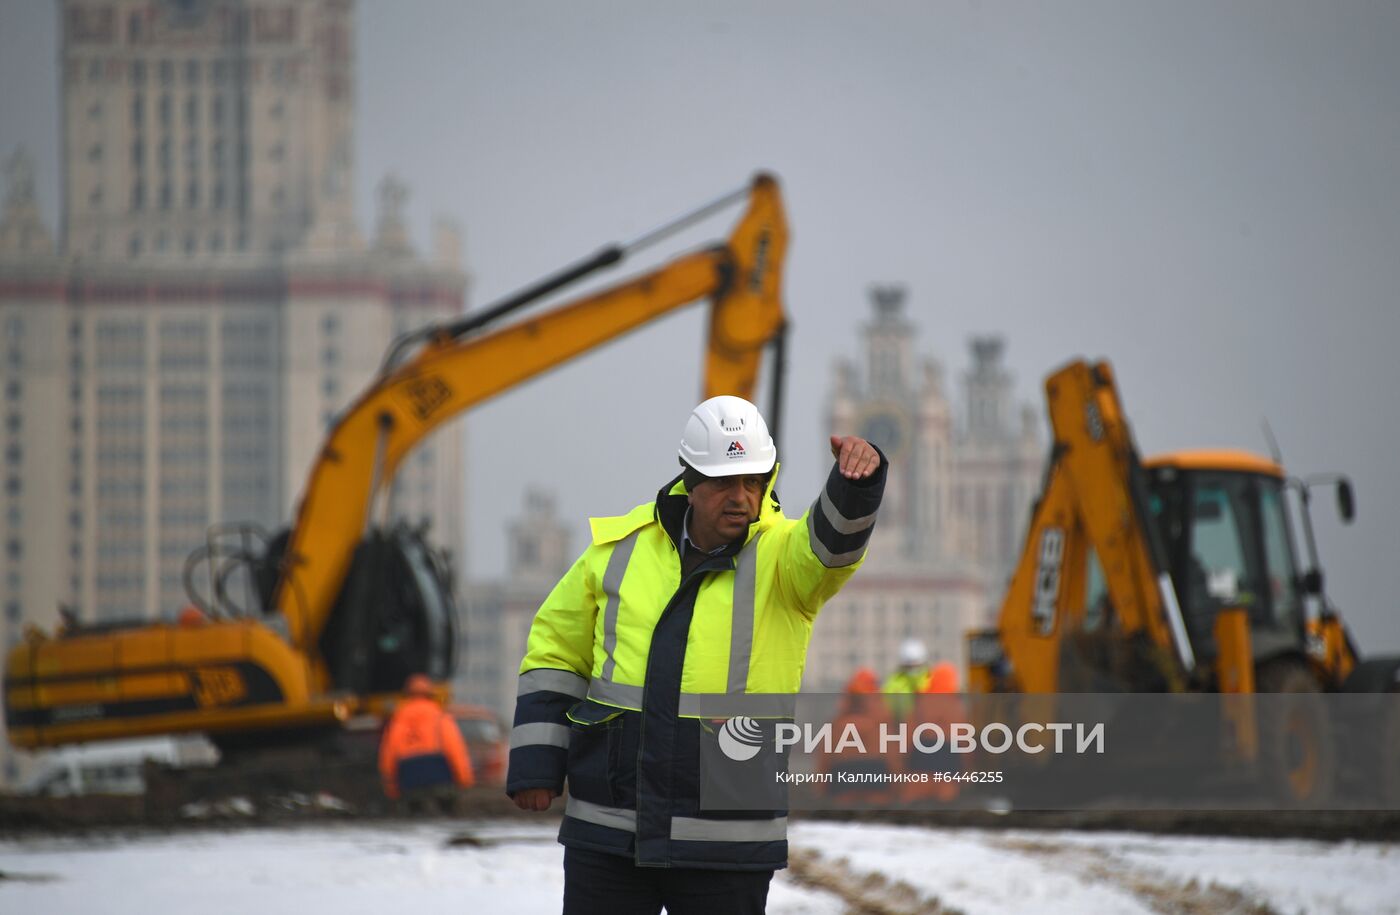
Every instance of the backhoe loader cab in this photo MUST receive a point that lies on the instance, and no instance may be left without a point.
(1228, 542)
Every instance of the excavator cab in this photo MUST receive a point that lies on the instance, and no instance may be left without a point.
(395, 614)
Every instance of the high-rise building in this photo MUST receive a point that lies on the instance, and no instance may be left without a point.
(499, 614)
(175, 357)
(955, 506)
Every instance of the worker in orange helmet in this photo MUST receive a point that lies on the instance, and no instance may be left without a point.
(423, 760)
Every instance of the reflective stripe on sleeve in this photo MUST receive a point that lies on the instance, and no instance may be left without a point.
(555, 681)
(539, 734)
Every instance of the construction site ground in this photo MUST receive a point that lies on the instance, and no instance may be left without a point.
(318, 853)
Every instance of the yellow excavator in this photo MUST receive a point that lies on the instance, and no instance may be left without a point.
(344, 608)
(1172, 574)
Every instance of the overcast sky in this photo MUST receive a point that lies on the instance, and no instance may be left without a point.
(1207, 193)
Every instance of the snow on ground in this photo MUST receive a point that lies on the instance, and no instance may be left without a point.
(347, 871)
(352, 869)
(982, 871)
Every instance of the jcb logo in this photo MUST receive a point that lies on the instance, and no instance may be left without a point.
(1047, 579)
(218, 686)
(427, 395)
(760, 264)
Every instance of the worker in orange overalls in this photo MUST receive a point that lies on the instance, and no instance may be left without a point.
(936, 702)
(863, 708)
(423, 760)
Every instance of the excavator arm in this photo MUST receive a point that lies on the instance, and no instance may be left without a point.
(1093, 509)
(448, 376)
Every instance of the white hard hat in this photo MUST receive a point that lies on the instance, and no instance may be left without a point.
(912, 653)
(726, 436)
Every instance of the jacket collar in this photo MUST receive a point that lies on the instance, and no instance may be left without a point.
(669, 511)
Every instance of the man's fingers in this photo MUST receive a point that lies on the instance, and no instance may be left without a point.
(836, 446)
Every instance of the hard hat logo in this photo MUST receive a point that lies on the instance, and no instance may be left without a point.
(726, 436)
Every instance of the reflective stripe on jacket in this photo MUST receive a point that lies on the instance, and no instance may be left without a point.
(625, 660)
(422, 747)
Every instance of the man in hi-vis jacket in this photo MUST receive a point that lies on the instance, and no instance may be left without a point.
(692, 608)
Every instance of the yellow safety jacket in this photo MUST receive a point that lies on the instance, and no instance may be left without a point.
(626, 660)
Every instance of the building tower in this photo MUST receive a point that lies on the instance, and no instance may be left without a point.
(955, 504)
(209, 308)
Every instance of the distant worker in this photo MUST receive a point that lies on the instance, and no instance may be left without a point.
(910, 678)
(862, 712)
(936, 703)
(695, 607)
(423, 760)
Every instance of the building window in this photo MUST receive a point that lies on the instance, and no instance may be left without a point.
(138, 111)
(216, 242)
(330, 324)
(216, 110)
(165, 153)
(192, 72)
(189, 243)
(330, 388)
(165, 196)
(95, 197)
(192, 194)
(95, 110)
(219, 196)
(13, 611)
(167, 72)
(192, 153)
(133, 247)
(14, 454)
(220, 71)
(14, 390)
(138, 202)
(15, 549)
(138, 73)
(191, 109)
(165, 110)
(133, 28)
(138, 153)
(95, 152)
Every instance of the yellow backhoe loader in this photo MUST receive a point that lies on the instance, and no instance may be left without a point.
(1174, 574)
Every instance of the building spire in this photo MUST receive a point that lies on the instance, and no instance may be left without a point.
(22, 229)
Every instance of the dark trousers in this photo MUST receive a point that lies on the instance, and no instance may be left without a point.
(601, 884)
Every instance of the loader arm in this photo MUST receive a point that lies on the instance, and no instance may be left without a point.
(1093, 500)
(742, 277)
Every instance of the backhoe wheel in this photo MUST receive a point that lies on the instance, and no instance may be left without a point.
(1296, 750)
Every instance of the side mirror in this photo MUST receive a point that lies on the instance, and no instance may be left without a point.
(1311, 582)
(1346, 501)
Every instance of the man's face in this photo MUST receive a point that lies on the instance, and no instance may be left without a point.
(721, 508)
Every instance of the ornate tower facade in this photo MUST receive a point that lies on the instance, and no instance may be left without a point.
(955, 505)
